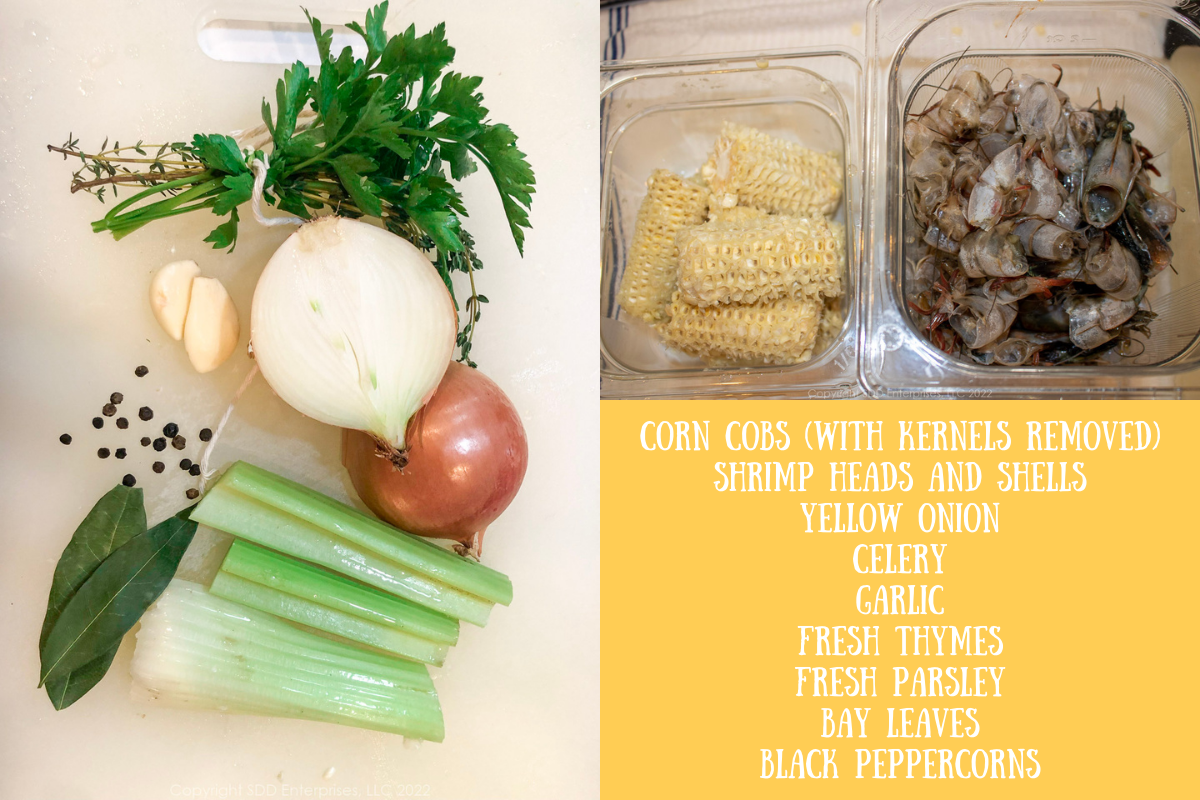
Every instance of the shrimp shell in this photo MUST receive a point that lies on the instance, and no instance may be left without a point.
(996, 253)
(988, 198)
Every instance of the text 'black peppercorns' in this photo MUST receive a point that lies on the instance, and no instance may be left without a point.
(205, 434)
(192, 494)
(179, 443)
(141, 372)
(145, 413)
(186, 464)
(170, 430)
(128, 480)
(97, 422)
(103, 452)
(116, 398)
(120, 452)
(158, 466)
(145, 441)
(65, 438)
(195, 470)
(108, 410)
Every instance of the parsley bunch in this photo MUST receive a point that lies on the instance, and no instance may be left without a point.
(382, 136)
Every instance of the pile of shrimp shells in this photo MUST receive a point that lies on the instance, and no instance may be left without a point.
(1039, 230)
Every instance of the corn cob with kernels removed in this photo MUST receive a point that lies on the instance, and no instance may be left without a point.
(649, 279)
(739, 214)
(777, 332)
(750, 168)
(748, 261)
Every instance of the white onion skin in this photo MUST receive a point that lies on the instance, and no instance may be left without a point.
(352, 325)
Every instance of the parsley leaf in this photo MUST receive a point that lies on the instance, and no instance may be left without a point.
(225, 234)
(219, 152)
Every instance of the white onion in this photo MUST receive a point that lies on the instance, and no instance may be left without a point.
(352, 326)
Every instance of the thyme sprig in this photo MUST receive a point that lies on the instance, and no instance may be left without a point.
(383, 136)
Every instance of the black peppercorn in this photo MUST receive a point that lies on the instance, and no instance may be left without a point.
(195, 470)
(122, 423)
(145, 441)
(128, 480)
(120, 452)
(192, 494)
(158, 466)
(116, 398)
(102, 452)
(145, 413)
(179, 443)
(170, 429)
(186, 464)
(205, 434)
(108, 410)
(141, 372)
(97, 422)
(160, 444)
(65, 438)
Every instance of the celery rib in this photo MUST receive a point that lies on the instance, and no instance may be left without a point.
(244, 516)
(206, 617)
(309, 582)
(315, 615)
(340, 520)
(201, 650)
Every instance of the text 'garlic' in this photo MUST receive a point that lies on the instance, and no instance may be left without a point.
(352, 326)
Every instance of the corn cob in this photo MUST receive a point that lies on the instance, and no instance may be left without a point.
(759, 260)
(740, 214)
(750, 168)
(777, 332)
(649, 279)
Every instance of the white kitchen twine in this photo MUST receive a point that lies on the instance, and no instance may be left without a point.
(205, 474)
(259, 167)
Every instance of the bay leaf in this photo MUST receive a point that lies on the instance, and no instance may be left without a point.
(116, 518)
(64, 689)
(116, 595)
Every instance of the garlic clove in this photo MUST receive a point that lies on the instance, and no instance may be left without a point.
(212, 328)
(170, 293)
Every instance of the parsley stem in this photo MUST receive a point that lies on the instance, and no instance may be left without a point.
(157, 189)
(124, 230)
(321, 156)
(167, 207)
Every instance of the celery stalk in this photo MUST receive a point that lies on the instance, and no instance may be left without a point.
(229, 510)
(338, 519)
(323, 618)
(303, 580)
(196, 649)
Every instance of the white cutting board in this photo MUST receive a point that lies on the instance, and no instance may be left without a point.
(521, 697)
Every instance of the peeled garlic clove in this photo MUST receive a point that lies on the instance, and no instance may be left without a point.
(170, 292)
(212, 328)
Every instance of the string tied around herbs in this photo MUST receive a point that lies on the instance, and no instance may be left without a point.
(260, 167)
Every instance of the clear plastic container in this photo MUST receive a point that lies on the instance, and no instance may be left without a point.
(1115, 47)
(667, 114)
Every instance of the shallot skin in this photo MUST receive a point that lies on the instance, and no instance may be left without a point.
(467, 456)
